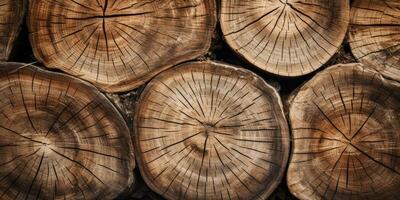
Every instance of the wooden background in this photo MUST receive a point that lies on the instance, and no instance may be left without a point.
(220, 51)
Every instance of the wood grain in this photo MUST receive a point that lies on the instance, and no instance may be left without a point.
(374, 35)
(346, 143)
(287, 38)
(59, 138)
(11, 16)
(207, 130)
(119, 45)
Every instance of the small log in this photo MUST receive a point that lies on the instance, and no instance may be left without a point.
(119, 45)
(287, 38)
(346, 143)
(375, 35)
(11, 17)
(60, 138)
(207, 130)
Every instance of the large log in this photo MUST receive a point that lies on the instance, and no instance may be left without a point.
(206, 130)
(375, 35)
(287, 38)
(346, 142)
(11, 17)
(60, 138)
(119, 45)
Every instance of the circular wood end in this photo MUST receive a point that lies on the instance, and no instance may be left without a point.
(346, 143)
(375, 35)
(60, 138)
(211, 131)
(287, 38)
(119, 45)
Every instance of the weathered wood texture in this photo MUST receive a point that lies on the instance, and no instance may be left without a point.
(119, 45)
(206, 130)
(287, 38)
(60, 138)
(345, 129)
(11, 16)
(375, 34)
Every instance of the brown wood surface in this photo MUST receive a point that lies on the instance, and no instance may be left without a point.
(11, 16)
(60, 138)
(285, 37)
(375, 34)
(345, 129)
(207, 130)
(119, 45)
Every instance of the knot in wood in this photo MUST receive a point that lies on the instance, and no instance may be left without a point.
(209, 128)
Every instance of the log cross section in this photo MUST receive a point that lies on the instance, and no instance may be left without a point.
(211, 131)
(60, 138)
(346, 142)
(285, 37)
(374, 35)
(119, 45)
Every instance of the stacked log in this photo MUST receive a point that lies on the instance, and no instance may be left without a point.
(119, 45)
(207, 130)
(11, 16)
(60, 138)
(286, 38)
(345, 124)
(374, 35)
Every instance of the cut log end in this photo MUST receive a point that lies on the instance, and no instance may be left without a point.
(11, 16)
(287, 38)
(211, 131)
(345, 125)
(60, 138)
(375, 35)
(119, 45)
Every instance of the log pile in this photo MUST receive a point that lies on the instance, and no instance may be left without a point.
(162, 99)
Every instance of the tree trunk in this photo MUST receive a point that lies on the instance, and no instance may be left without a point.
(60, 138)
(289, 38)
(345, 125)
(11, 16)
(206, 130)
(375, 35)
(119, 45)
